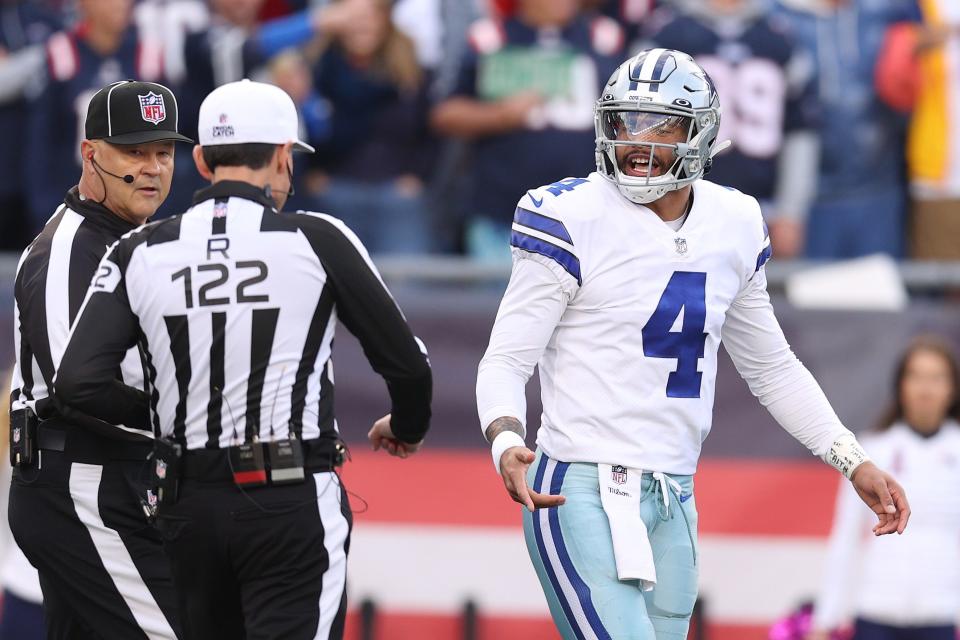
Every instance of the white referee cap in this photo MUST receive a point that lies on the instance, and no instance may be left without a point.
(245, 111)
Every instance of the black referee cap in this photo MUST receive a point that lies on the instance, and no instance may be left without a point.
(131, 112)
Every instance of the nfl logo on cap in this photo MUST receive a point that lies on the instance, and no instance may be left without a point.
(152, 108)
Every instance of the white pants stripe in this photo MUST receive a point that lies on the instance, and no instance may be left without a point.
(553, 558)
(85, 490)
(335, 531)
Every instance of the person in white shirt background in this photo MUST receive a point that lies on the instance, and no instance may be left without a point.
(909, 590)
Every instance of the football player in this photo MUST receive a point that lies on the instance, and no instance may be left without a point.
(621, 285)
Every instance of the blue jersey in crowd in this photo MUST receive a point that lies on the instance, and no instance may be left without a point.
(75, 71)
(862, 140)
(766, 90)
(567, 67)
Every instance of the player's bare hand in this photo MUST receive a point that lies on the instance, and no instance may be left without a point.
(381, 437)
(513, 467)
(884, 496)
(817, 635)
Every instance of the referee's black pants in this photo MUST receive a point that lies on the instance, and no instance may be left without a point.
(80, 521)
(262, 563)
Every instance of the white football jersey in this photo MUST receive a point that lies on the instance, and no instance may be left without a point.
(624, 316)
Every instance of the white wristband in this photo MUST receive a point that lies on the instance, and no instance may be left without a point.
(503, 441)
(846, 455)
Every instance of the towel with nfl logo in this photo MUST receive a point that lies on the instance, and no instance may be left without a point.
(620, 491)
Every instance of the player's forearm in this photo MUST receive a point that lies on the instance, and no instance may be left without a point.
(500, 395)
(503, 424)
(782, 384)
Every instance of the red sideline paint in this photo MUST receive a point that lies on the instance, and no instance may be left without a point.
(402, 626)
(458, 487)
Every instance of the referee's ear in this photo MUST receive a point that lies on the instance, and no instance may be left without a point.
(202, 167)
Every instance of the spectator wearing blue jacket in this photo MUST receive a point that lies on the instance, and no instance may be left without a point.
(861, 202)
(373, 169)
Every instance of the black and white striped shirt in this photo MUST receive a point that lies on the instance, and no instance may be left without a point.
(235, 306)
(53, 275)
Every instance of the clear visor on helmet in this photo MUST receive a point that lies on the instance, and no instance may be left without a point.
(637, 126)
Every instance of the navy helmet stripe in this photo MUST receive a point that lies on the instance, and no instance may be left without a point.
(657, 70)
(569, 262)
(635, 71)
(542, 223)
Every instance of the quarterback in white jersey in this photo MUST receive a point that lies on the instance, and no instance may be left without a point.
(623, 285)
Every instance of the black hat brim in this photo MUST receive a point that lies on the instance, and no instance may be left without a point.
(141, 137)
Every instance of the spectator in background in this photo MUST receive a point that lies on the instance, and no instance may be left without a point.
(236, 45)
(908, 588)
(373, 167)
(631, 14)
(769, 105)
(26, 27)
(861, 195)
(291, 72)
(101, 49)
(525, 99)
(933, 145)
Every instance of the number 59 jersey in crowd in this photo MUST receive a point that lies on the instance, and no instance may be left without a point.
(627, 371)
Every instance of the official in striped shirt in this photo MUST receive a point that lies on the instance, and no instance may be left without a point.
(77, 509)
(235, 306)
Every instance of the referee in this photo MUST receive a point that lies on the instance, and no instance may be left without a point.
(78, 492)
(235, 306)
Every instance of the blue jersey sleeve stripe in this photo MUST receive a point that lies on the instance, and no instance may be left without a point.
(561, 256)
(763, 257)
(540, 222)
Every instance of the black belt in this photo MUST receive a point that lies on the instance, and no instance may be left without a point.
(82, 445)
(213, 465)
(50, 439)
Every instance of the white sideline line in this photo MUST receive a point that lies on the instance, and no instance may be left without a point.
(744, 579)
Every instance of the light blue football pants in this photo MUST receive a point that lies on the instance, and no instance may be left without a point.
(572, 551)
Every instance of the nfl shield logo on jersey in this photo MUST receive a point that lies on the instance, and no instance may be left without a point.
(161, 469)
(618, 474)
(681, 245)
(16, 435)
(152, 108)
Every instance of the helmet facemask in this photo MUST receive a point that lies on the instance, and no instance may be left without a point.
(650, 150)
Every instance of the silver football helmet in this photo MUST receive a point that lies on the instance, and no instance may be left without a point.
(657, 91)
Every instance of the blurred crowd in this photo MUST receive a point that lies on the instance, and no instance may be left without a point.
(432, 117)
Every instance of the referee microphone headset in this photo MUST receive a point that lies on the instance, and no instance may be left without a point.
(96, 165)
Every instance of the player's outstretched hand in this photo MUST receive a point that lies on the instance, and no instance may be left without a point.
(513, 467)
(884, 496)
(381, 437)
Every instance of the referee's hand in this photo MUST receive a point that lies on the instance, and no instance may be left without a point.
(381, 437)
